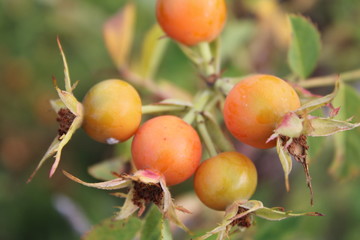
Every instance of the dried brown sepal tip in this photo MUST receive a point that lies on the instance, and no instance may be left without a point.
(70, 117)
(241, 214)
(65, 118)
(145, 194)
(145, 187)
(297, 148)
(244, 221)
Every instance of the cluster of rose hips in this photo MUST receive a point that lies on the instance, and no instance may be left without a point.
(167, 150)
(171, 147)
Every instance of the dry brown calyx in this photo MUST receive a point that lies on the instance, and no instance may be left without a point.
(297, 148)
(245, 221)
(65, 118)
(147, 193)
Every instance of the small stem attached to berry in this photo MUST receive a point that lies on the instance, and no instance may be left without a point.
(207, 66)
(159, 108)
(220, 140)
(199, 105)
(224, 85)
(210, 146)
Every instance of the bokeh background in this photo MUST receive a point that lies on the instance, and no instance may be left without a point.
(255, 41)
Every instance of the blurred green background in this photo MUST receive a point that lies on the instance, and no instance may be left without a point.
(61, 209)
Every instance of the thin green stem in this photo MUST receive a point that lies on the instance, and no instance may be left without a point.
(199, 104)
(210, 146)
(221, 141)
(224, 85)
(190, 116)
(331, 79)
(212, 103)
(207, 66)
(160, 108)
(217, 55)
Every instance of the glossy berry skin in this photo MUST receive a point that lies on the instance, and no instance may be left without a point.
(169, 146)
(112, 111)
(190, 22)
(225, 178)
(254, 107)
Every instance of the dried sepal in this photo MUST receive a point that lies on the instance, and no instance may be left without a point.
(320, 127)
(241, 214)
(145, 187)
(57, 105)
(304, 94)
(115, 184)
(67, 80)
(317, 103)
(128, 208)
(193, 55)
(64, 139)
(291, 125)
(277, 214)
(293, 129)
(68, 102)
(285, 160)
(296, 148)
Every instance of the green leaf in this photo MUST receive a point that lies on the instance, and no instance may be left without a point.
(190, 53)
(118, 34)
(152, 52)
(155, 226)
(114, 230)
(316, 147)
(347, 152)
(237, 34)
(305, 46)
(104, 169)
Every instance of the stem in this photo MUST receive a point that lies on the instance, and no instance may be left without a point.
(190, 116)
(216, 133)
(217, 55)
(207, 65)
(148, 84)
(199, 105)
(224, 85)
(331, 79)
(210, 146)
(160, 108)
(211, 104)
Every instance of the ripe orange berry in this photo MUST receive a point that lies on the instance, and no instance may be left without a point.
(112, 111)
(254, 107)
(224, 179)
(190, 22)
(169, 146)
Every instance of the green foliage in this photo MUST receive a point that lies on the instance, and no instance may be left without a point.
(155, 226)
(346, 162)
(115, 230)
(153, 49)
(305, 46)
(104, 169)
(249, 44)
